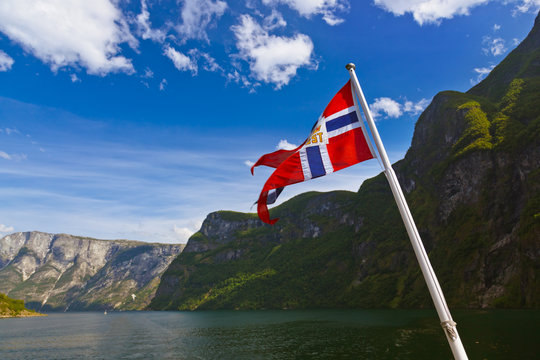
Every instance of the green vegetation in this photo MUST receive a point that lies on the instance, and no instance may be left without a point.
(13, 308)
(476, 135)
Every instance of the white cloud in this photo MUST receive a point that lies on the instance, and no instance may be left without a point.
(15, 157)
(148, 73)
(208, 62)
(515, 41)
(273, 21)
(5, 61)
(272, 59)
(183, 233)
(70, 33)
(249, 163)
(285, 145)
(394, 109)
(433, 11)
(386, 105)
(144, 27)
(482, 73)
(415, 108)
(429, 11)
(74, 78)
(494, 46)
(10, 131)
(496, 27)
(307, 8)
(6, 229)
(527, 6)
(332, 19)
(5, 155)
(236, 77)
(197, 16)
(162, 84)
(181, 61)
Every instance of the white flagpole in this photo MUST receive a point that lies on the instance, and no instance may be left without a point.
(435, 291)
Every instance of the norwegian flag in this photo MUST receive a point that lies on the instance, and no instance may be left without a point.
(338, 140)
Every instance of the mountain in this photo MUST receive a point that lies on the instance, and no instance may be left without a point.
(472, 180)
(65, 272)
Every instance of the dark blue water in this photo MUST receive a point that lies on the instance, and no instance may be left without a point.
(320, 334)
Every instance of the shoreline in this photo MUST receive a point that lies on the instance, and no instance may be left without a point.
(22, 314)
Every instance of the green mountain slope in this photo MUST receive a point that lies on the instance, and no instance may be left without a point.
(472, 180)
(14, 308)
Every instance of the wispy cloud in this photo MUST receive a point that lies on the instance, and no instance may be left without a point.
(208, 62)
(429, 11)
(181, 61)
(10, 131)
(5, 156)
(16, 157)
(525, 6)
(144, 26)
(105, 186)
(5, 229)
(74, 78)
(148, 73)
(162, 84)
(327, 8)
(6, 61)
(481, 74)
(393, 109)
(123, 190)
(434, 11)
(272, 59)
(109, 187)
(285, 145)
(493, 46)
(197, 16)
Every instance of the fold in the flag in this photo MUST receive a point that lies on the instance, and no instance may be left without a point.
(337, 140)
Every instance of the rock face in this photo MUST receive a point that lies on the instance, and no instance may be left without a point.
(65, 272)
(472, 181)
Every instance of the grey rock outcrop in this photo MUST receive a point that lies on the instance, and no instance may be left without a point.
(65, 272)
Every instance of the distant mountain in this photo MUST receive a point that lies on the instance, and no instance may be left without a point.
(65, 272)
(472, 180)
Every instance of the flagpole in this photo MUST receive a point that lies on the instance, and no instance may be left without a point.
(448, 325)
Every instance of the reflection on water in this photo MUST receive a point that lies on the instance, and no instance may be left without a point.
(320, 334)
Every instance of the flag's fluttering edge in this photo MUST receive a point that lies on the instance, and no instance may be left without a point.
(338, 140)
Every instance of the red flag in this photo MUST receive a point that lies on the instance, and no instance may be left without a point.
(337, 140)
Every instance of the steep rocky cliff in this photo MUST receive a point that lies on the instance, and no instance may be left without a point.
(472, 180)
(65, 272)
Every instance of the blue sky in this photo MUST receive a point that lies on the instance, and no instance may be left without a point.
(135, 119)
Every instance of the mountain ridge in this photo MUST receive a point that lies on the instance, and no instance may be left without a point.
(65, 272)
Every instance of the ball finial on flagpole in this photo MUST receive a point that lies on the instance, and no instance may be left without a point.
(350, 66)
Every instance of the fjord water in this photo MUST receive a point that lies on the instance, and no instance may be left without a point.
(309, 334)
